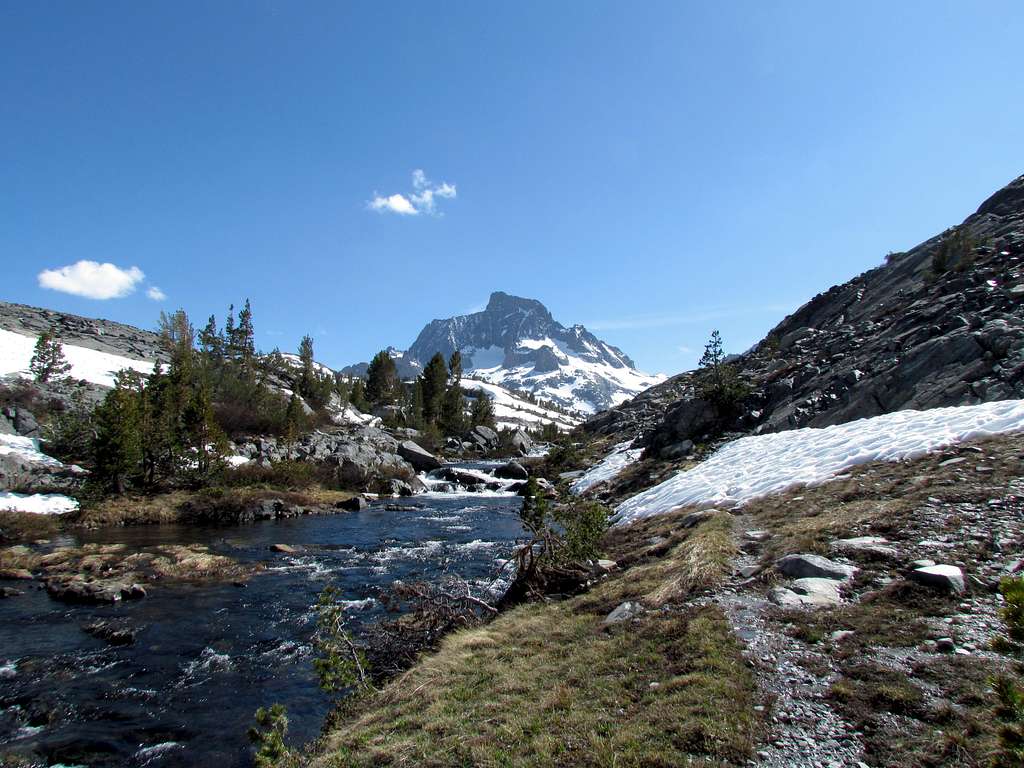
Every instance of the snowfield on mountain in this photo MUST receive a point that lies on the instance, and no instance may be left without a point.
(512, 412)
(755, 466)
(88, 364)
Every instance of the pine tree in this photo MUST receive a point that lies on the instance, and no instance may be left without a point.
(230, 335)
(358, 396)
(482, 412)
(294, 419)
(435, 382)
(382, 385)
(202, 435)
(718, 382)
(307, 375)
(453, 410)
(118, 443)
(246, 337)
(48, 361)
(416, 418)
(210, 342)
(455, 366)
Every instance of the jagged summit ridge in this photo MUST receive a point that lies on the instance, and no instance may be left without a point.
(515, 342)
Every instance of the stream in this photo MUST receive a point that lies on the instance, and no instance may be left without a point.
(206, 656)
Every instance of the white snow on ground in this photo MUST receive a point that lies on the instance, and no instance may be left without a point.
(25, 448)
(621, 456)
(37, 503)
(93, 366)
(349, 415)
(296, 362)
(760, 465)
(512, 412)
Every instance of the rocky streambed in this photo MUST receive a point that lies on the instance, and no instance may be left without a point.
(192, 628)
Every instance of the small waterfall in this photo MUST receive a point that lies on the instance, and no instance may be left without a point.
(470, 478)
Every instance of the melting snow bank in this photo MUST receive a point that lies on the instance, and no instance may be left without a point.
(37, 503)
(26, 450)
(621, 456)
(760, 465)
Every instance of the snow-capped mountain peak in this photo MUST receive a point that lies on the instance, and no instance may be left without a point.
(516, 343)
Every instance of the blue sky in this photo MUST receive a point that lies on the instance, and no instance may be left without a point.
(653, 170)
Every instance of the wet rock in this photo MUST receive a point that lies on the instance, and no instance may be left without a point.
(286, 549)
(78, 590)
(421, 459)
(8, 592)
(947, 578)
(15, 574)
(355, 504)
(133, 592)
(512, 471)
(801, 566)
(110, 632)
(624, 612)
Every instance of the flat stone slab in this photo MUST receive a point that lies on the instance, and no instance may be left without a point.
(874, 546)
(787, 598)
(814, 566)
(948, 578)
(824, 589)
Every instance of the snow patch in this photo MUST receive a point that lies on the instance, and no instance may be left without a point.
(37, 503)
(757, 466)
(96, 367)
(621, 456)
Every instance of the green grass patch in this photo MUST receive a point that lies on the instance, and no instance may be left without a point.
(543, 685)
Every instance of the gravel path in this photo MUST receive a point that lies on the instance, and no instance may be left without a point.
(805, 729)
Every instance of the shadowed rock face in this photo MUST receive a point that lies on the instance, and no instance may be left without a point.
(896, 337)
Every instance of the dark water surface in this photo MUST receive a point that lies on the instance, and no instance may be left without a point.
(206, 656)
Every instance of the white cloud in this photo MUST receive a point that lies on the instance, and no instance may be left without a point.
(155, 293)
(394, 203)
(92, 280)
(423, 198)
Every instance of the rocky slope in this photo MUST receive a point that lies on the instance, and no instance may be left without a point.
(91, 333)
(941, 324)
(517, 344)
